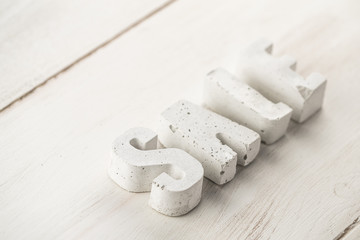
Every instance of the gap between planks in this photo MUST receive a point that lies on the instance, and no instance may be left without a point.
(349, 230)
(100, 46)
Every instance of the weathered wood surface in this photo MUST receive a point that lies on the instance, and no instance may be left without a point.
(351, 232)
(55, 143)
(39, 39)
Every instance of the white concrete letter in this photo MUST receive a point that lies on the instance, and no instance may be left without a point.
(218, 143)
(276, 79)
(173, 176)
(231, 97)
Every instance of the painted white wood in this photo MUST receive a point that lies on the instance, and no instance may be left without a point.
(40, 38)
(55, 143)
(218, 143)
(174, 177)
(353, 234)
(277, 80)
(231, 97)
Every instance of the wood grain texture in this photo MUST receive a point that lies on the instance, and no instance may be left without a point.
(38, 39)
(351, 232)
(55, 143)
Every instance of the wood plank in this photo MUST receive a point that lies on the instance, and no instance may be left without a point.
(353, 235)
(352, 232)
(39, 39)
(56, 142)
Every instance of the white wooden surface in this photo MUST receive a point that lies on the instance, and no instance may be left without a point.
(351, 232)
(40, 38)
(55, 143)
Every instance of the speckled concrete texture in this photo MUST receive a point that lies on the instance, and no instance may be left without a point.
(174, 177)
(217, 142)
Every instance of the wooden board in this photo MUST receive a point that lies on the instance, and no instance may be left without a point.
(55, 143)
(39, 39)
(352, 232)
